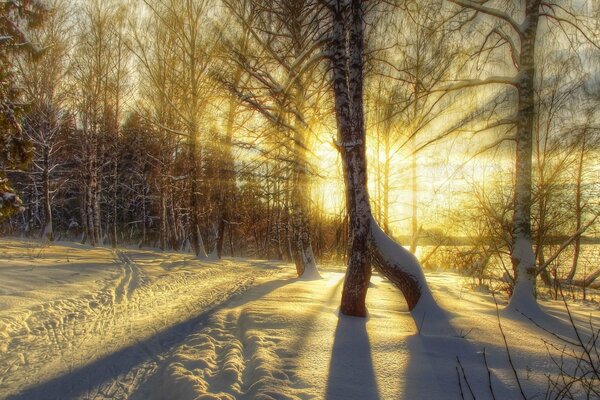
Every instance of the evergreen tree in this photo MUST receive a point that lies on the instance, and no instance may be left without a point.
(17, 17)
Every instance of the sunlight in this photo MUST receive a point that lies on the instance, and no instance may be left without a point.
(175, 222)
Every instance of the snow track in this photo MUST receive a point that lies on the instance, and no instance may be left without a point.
(83, 323)
(242, 351)
(132, 277)
(99, 337)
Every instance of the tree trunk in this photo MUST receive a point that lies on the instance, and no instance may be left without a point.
(97, 212)
(301, 246)
(352, 148)
(413, 166)
(386, 185)
(47, 230)
(84, 213)
(414, 218)
(228, 175)
(173, 220)
(115, 210)
(367, 240)
(523, 257)
(578, 212)
(162, 235)
(304, 258)
(197, 243)
(221, 231)
(231, 240)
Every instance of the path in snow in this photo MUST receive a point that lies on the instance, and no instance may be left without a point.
(145, 325)
(73, 318)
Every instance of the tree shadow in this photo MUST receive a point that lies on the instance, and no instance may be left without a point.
(310, 322)
(444, 353)
(85, 379)
(351, 371)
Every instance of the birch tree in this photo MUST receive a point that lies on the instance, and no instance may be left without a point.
(368, 243)
(93, 82)
(187, 23)
(160, 97)
(47, 120)
(517, 30)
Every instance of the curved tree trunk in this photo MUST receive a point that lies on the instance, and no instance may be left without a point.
(402, 268)
(368, 243)
(302, 252)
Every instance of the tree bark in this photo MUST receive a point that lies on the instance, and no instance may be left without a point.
(227, 177)
(522, 256)
(351, 146)
(578, 212)
(367, 241)
(47, 230)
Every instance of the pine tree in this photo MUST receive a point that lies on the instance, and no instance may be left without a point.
(17, 17)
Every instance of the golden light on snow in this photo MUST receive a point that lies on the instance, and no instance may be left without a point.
(278, 335)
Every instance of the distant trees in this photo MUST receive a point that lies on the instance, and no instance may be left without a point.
(272, 72)
(47, 121)
(96, 96)
(198, 125)
(178, 69)
(414, 52)
(158, 111)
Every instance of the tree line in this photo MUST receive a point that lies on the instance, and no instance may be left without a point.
(196, 125)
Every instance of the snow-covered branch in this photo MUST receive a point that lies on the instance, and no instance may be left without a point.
(469, 83)
(477, 6)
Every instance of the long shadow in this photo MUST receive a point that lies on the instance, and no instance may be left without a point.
(110, 367)
(351, 372)
(434, 362)
(309, 323)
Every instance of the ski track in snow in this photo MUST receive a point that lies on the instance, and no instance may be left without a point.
(111, 323)
(132, 277)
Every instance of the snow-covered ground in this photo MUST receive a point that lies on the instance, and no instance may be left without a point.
(79, 322)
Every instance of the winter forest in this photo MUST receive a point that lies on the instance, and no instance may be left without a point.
(299, 199)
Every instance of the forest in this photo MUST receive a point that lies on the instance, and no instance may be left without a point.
(420, 146)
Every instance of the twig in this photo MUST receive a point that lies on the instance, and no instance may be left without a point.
(582, 344)
(462, 395)
(489, 375)
(508, 351)
(562, 339)
(465, 377)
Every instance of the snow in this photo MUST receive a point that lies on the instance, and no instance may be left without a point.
(9, 199)
(523, 298)
(310, 266)
(84, 312)
(426, 312)
(78, 322)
